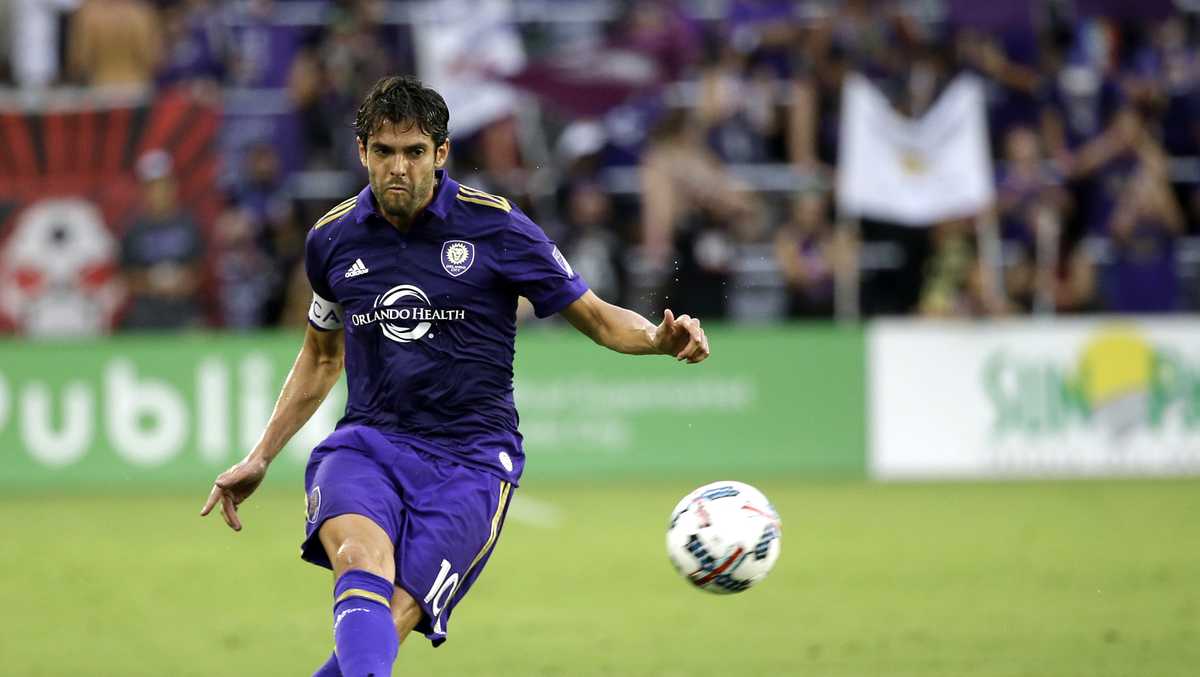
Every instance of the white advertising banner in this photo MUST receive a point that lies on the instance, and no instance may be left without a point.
(1027, 398)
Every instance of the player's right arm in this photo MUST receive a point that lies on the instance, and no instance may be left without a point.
(316, 370)
(313, 375)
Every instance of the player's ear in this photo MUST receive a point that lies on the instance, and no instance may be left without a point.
(362, 151)
(441, 153)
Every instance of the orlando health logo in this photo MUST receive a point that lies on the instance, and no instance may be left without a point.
(405, 314)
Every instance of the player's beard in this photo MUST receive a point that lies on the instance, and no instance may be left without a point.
(403, 205)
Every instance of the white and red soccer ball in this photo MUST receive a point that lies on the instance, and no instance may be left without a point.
(724, 537)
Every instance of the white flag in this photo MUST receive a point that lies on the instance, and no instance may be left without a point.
(914, 171)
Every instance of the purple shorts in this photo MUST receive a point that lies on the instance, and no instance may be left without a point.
(444, 518)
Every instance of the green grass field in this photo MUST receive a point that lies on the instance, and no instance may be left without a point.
(1053, 579)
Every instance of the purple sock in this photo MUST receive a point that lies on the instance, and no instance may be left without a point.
(362, 625)
(330, 669)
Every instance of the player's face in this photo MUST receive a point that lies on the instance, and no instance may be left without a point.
(400, 161)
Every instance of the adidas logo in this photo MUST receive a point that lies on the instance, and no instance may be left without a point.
(359, 268)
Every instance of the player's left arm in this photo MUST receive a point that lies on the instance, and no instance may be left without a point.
(625, 331)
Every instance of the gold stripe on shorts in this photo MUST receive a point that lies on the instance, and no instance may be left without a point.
(505, 492)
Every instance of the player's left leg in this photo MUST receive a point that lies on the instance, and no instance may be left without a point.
(330, 668)
(406, 613)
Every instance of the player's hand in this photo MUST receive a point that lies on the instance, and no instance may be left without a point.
(682, 337)
(234, 486)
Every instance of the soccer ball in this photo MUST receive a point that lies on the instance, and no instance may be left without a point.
(724, 537)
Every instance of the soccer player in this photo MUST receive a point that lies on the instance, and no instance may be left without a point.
(415, 285)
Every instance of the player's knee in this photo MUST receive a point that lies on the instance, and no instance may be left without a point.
(355, 554)
(355, 542)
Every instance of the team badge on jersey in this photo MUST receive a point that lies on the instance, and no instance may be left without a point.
(457, 256)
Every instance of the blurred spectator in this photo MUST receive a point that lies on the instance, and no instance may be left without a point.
(1163, 76)
(757, 85)
(579, 152)
(764, 30)
(1009, 67)
(328, 77)
(464, 50)
(807, 252)
(1144, 229)
(873, 36)
(684, 187)
(264, 194)
(196, 44)
(261, 187)
(1163, 79)
(1076, 284)
(739, 115)
(358, 50)
(1082, 98)
(691, 207)
(662, 31)
(703, 270)
(1108, 162)
(1032, 206)
(317, 109)
(1027, 181)
(297, 299)
(268, 214)
(262, 45)
(245, 276)
(955, 277)
(590, 238)
(116, 43)
(161, 254)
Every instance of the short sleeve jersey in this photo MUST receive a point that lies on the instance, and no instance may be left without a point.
(430, 317)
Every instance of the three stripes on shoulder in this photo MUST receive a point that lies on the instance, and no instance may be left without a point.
(337, 212)
(468, 194)
(465, 194)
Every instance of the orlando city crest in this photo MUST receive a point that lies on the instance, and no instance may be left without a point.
(457, 256)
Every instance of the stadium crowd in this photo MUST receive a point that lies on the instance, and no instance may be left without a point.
(683, 153)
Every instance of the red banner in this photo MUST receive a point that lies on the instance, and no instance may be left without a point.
(68, 188)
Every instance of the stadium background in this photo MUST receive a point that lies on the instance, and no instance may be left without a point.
(1030, 363)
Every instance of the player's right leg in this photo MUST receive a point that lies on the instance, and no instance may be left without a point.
(363, 569)
(353, 518)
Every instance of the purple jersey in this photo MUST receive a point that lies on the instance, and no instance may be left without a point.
(430, 317)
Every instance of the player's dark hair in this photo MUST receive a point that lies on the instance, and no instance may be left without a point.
(403, 99)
